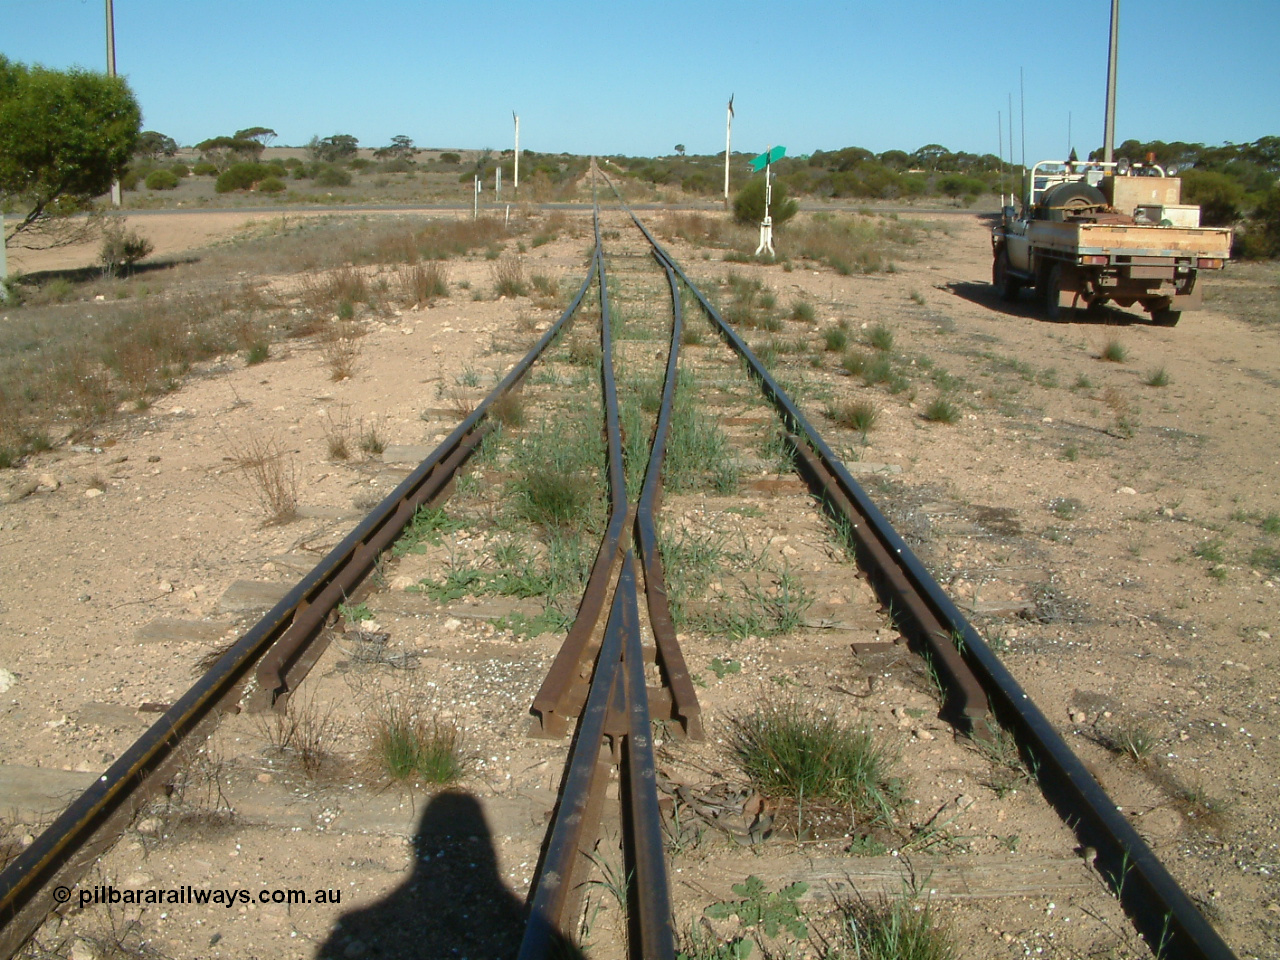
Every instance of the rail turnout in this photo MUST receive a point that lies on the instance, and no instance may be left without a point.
(619, 669)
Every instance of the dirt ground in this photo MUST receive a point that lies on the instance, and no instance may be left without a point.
(1113, 534)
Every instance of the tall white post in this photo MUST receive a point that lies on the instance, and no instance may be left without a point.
(766, 225)
(475, 203)
(111, 72)
(728, 141)
(516, 186)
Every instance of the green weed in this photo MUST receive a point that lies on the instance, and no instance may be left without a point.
(797, 752)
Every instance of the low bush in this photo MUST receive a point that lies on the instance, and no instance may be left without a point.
(205, 169)
(271, 185)
(161, 180)
(180, 170)
(748, 205)
(241, 176)
(331, 176)
(121, 247)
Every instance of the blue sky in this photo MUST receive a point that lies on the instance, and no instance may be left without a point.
(638, 78)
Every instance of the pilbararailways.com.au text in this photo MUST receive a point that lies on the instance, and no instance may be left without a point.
(188, 894)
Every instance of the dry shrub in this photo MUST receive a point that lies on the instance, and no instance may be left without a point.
(508, 278)
(327, 292)
(461, 404)
(303, 733)
(399, 247)
(701, 230)
(851, 245)
(270, 475)
(508, 409)
(450, 238)
(422, 282)
(340, 348)
(337, 433)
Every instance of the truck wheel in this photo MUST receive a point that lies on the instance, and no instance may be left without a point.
(1051, 290)
(1006, 284)
(1164, 317)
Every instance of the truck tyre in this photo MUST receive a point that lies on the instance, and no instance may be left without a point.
(1059, 201)
(1051, 290)
(1006, 284)
(1165, 317)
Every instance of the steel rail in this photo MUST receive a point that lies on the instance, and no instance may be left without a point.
(88, 825)
(616, 706)
(561, 695)
(684, 699)
(1158, 907)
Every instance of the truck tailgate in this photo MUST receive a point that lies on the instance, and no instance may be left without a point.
(1094, 239)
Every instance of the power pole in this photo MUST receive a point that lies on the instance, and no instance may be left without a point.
(516, 186)
(111, 72)
(1109, 135)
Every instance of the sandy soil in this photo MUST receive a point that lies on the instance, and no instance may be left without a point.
(1108, 536)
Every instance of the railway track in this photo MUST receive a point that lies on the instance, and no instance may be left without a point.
(621, 666)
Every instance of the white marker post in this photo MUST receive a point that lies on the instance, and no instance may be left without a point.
(475, 203)
(516, 185)
(728, 141)
(497, 182)
(765, 161)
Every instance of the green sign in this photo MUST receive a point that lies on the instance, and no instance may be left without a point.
(771, 156)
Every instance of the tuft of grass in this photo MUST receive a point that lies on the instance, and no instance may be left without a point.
(340, 348)
(857, 415)
(881, 338)
(835, 339)
(422, 282)
(553, 497)
(508, 277)
(407, 746)
(1159, 377)
(1127, 739)
(795, 751)
(1210, 550)
(942, 410)
(877, 369)
(372, 442)
(1066, 508)
(802, 312)
(854, 363)
(1266, 560)
(902, 928)
(270, 475)
(258, 352)
(1114, 352)
(508, 409)
(304, 732)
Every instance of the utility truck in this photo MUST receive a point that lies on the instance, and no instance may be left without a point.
(1092, 233)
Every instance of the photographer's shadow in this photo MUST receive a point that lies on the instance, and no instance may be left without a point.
(453, 904)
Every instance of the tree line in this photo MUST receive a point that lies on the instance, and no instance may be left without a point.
(66, 135)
